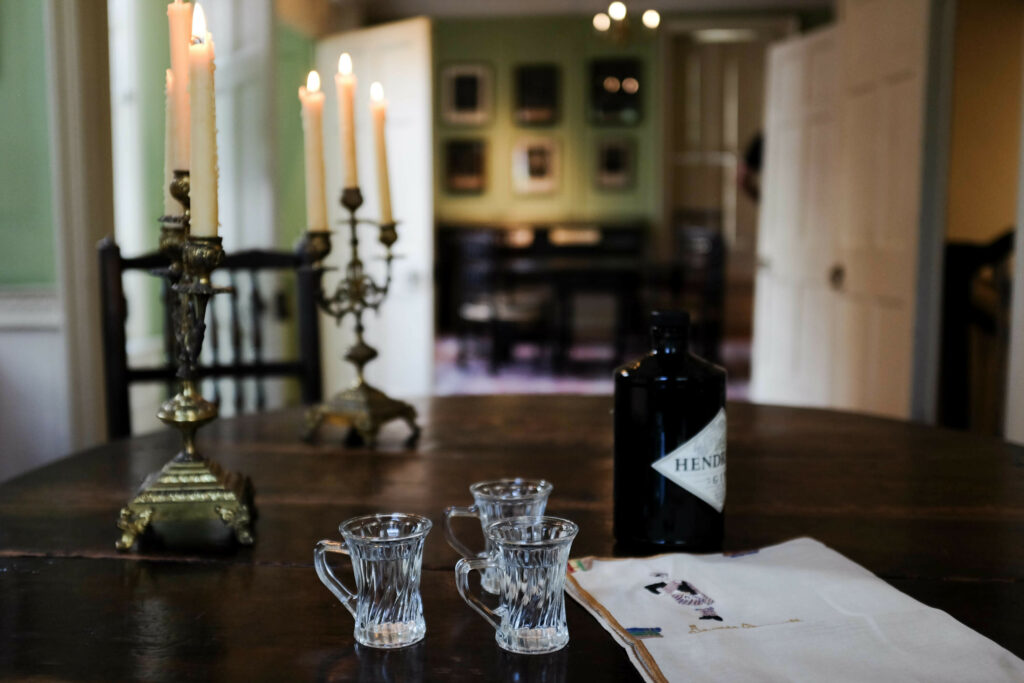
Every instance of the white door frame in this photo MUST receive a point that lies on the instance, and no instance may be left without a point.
(78, 80)
(936, 141)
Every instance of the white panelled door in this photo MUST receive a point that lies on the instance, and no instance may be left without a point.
(835, 299)
(399, 56)
(882, 81)
(794, 318)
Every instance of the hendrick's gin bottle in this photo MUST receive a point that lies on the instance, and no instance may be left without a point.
(669, 446)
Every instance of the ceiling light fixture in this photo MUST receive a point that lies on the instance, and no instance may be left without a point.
(614, 24)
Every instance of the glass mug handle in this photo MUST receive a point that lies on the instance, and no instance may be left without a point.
(462, 569)
(456, 511)
(327, 577)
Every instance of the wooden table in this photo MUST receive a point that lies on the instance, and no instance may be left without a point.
(938, 514)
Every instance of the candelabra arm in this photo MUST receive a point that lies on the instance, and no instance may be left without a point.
(362, 407)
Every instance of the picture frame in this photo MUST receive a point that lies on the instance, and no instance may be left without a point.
(615, 164)
(616, 91)
(537, 94)
(536, 165)
(465, 163)
(466, 94)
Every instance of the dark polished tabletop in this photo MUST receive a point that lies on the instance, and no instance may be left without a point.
(937, 514)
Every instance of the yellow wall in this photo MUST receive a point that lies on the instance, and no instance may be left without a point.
(985, 153)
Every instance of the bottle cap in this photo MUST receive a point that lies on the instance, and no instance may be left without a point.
(668, 320)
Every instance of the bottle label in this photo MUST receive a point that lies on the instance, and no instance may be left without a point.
(699, 464)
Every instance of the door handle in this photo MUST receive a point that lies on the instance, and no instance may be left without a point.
(836, 276)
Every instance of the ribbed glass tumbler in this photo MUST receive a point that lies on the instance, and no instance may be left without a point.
(530, 559)
(494, 500)
(387, 558)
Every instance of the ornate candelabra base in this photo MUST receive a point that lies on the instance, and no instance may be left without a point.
(364, 409)
(186, 490)
(190, 488)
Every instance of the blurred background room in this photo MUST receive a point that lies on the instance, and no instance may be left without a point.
(831, 188)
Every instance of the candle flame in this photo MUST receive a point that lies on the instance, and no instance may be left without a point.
(313, 82)
(198, 24)
(345, 64)
(376, 91)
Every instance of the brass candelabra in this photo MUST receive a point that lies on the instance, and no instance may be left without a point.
(190, 487)
(362, 407)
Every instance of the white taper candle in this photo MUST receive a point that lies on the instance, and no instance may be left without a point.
(345, 81)
(379, 110)
(312, 99)
(203, 180)
(179, 19)
(171, 205)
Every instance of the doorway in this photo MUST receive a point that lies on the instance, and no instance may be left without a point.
(715, 82)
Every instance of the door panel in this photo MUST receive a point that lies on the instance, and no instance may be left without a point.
(815, 342)
(842, 194)
(880, 105)
(793, 303)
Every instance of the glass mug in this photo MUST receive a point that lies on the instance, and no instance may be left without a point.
(387, 558)
(530, 558)
(494, 500)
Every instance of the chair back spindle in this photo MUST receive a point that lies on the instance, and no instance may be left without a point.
(243, 362)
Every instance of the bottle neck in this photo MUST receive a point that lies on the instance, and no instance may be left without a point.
(670, 341)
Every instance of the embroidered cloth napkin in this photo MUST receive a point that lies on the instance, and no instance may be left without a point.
(797, 611)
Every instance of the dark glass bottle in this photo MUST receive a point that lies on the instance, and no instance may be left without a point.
(669, 446)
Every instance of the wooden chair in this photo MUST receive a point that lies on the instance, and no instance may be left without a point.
(975, 333)
(235, 361)
(490, 307)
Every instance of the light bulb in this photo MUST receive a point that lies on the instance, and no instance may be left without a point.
(651, 18)
(617, 10)
(602, 22)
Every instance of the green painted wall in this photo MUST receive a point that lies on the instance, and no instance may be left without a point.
(26, 213)
(293, 58)
(571, 43)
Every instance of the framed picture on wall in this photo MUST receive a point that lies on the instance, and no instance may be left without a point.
(464, 164)
(536, 165)
(615, 91)
(466, 94)
(616, 164)
(537, 94)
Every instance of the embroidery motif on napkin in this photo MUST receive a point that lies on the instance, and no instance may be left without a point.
(645, 632)
(699, 464)
(685, 594)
